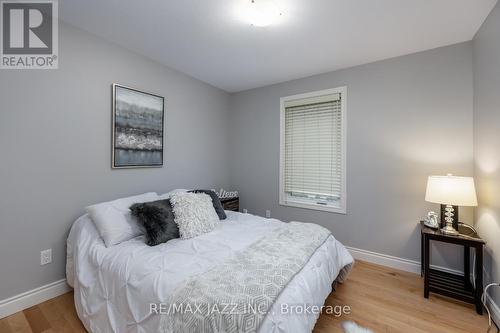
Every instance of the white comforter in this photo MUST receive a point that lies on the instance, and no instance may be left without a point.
(115, 286)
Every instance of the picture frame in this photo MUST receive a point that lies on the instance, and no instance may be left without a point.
(138, 131)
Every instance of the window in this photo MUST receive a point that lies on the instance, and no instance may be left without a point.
(313, 143)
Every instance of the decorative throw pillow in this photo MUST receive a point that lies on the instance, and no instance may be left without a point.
(219, 209)
(114, 221)
(194, 214)
(157, 218)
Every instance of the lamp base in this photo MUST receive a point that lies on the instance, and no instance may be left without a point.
(454, 216)
(449, 230)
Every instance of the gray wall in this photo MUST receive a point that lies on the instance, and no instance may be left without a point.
(407, 118)
(486, 56)
(55, 156)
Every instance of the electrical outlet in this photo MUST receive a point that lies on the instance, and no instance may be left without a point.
(45, 257)
(245, 211)
(268, 213)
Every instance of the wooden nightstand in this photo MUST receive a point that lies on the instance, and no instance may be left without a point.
(231, 204)
(453, 285)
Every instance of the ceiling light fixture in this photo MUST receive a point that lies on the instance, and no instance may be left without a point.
(261, 13)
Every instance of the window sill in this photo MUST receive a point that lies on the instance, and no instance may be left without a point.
(330, 209)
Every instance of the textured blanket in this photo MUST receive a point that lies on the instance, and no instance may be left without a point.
(236, 295)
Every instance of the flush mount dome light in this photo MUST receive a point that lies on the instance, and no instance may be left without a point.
(261, 13)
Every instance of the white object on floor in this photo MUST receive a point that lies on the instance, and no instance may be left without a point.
(115, 286)
(352, 327)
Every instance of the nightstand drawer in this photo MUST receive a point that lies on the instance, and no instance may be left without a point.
(231, 204)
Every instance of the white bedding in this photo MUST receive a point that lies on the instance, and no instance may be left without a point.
(115, 286)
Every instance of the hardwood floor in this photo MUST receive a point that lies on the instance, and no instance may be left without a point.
(54, 316)
(382, 299)
(387, 300)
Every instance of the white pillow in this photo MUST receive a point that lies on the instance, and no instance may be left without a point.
(114, 220)
(169, 194)
(194, 214)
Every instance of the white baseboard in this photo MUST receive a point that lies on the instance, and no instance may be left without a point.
(494, 310)
(385, 260)
(33, 297)
(492, 305)
(402, 264)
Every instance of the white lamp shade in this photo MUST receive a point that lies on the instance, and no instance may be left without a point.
(451, 190)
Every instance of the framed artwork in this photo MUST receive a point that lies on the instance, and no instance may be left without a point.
(138, 126)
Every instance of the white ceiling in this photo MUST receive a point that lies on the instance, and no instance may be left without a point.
(207, 39)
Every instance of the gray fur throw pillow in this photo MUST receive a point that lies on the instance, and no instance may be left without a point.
(157, 218)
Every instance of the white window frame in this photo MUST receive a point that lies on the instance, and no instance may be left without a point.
(309, 205)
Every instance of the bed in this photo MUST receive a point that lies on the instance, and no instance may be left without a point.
(116, 288)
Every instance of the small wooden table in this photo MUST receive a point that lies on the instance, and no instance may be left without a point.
(448, 284)
(231, 204)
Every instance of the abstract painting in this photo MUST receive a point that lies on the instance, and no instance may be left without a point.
(138, 119)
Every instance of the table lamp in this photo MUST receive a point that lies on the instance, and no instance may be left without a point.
(450, 191)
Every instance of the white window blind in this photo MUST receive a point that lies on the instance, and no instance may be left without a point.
(312, 151)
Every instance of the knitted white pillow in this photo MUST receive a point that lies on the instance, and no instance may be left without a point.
(194, 214)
